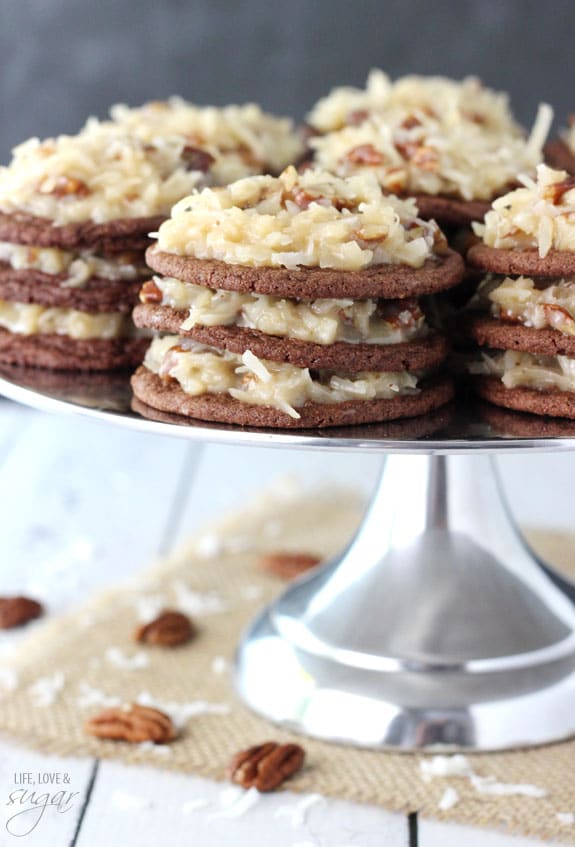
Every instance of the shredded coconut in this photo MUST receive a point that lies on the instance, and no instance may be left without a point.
(297, 811)
(442, 766)
(566, 818)
(452, 100)
(158, 749)
(311, 219)
(46, 690)
(539, 215)
(242, 140)
(117, 657)
(198, 603)
(246, 801)
(220, 665)
(321, 321)
(181, 713)
(459, 766)
(489, 785)
(528, 370)
(90, 697)
(538, 304)
(149, 606)
(194, 805)
(9, 679)
(427, 135)
(34, 319)
(448, 800)
(101, 174)
(209, 545)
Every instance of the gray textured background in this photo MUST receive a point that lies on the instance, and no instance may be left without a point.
(61, 60)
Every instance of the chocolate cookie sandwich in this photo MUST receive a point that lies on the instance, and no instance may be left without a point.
(523, 315)
(295, 302)
(75, 213)
(454, 146)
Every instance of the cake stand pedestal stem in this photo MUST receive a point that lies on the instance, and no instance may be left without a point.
(437, 626)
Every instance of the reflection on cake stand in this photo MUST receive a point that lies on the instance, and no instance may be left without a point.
(437, 626)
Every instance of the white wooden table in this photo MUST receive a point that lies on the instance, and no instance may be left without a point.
(83, 505)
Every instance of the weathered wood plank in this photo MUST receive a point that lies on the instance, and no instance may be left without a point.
(141, 809)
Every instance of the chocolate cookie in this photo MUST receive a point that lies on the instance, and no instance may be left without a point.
(521, 262)
(97, 295)
(451, 211)
(559, 156)
(384, 281)
(524, 424)
(555, 404)
(169, 397)
(61, 352)
(490, 332)
(421, 354)
(112, 236)
(403, 429)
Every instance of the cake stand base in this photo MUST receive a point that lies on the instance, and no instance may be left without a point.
(437, 628)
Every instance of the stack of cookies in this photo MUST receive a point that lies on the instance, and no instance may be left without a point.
(76, 212)
(294, 301)
(523, 315)
(454, 146)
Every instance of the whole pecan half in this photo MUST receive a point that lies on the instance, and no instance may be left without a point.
(266, 766)
(133, 723)
(16, 611)
(169, 629)
(288, 565)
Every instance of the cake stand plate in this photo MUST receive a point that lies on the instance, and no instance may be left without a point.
(438, 627)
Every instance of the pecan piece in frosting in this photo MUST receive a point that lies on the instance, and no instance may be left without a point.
(67, 186)
(17, 611)
(150, 293)
(169, 629)
(288, 565)
(196, 159)
(266, 766)
(554, 192)
(365, 154)
(134, 723)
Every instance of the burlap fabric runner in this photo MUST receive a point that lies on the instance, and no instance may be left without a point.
(216, 577)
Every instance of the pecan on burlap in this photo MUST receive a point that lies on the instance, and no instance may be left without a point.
(169, 629)
(133, 723)
(16, 611)
(265, 766)
(288, 565)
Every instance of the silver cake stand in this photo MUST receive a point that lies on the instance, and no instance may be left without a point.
(437, 627)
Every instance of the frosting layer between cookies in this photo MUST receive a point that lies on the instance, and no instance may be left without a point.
(312, 219)
(319, 321)
(33, 319)
(200, 369)
(525, 300)
(78, 267)
(527, 370)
